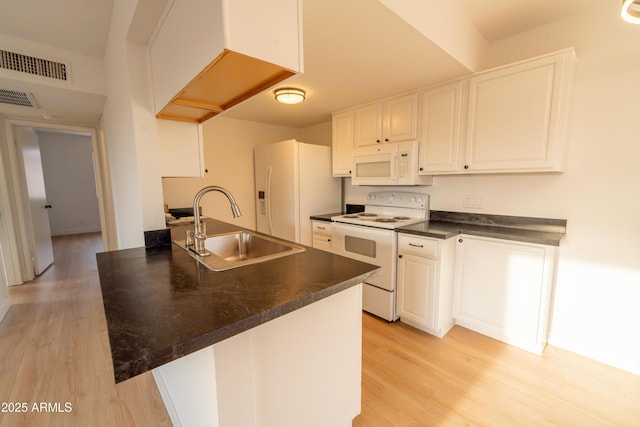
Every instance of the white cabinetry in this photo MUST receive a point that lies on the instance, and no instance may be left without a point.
(393, 120)
(425, 282)
(509, 119)
(503, 288)
(180, 144)
(516, 118)
(208, 55)
(440, 129)
(342, 143)
(321, 235)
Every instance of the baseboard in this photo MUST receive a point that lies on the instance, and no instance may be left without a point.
(626, 362)
(74, 231)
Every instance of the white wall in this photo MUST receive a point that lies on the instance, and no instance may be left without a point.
(228, 157)
(129, 130)
(67, 165)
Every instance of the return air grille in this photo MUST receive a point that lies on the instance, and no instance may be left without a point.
(32, 65)
(13, 97)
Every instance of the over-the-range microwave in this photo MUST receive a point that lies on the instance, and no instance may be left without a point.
(388, 164)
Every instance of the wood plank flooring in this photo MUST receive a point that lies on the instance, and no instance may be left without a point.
(411, 378)
(54, 349)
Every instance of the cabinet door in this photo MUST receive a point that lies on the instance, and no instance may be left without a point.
(322, 242)
(400, 117)
(180, 145)
(368, 121)
(342, 143)
(516, 116)
(440, 118)
(501, 290)
(416, 290)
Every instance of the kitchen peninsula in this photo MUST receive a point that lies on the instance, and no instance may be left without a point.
(278, 341)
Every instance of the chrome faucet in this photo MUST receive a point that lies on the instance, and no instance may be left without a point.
(200, 234)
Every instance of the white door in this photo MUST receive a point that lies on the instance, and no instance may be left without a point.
(35, 200)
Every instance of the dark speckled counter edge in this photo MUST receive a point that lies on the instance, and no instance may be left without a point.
(444, 225)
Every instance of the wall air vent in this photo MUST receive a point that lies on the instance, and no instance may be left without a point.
(32, 65)
(13, 97)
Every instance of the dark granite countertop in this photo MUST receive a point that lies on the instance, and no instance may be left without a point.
(444, 225)
(161, 304)
(325, 217)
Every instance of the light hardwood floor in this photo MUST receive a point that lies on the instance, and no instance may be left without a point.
(411, 378)
(54, 348)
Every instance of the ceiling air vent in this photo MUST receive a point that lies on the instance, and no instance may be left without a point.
(13, 97)
(32, 65)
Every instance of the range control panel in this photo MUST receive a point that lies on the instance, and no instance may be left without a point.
(398, 199)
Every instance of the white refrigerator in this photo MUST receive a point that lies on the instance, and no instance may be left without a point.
(293, 182)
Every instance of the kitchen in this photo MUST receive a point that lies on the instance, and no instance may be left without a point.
(595, 187)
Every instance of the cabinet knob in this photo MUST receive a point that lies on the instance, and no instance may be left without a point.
(460, 240)
(328, 240)
(399, 256)
(386, 140)
(466, 166)
(378, 141)
(421, 169)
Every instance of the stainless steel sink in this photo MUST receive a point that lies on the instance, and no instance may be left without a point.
(240, 248)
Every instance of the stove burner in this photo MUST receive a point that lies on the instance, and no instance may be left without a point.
(401, 218)
(351, 216)
(367, 214)
(386, 220)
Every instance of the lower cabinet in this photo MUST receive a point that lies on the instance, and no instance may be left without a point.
(503, 289)
(425, 282)
(321, 235)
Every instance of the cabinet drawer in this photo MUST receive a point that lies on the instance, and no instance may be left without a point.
(321, 227)
(416, 245)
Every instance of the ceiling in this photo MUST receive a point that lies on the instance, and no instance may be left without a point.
(355, 51)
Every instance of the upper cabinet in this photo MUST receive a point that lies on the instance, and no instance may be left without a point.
(516, 117)
(209, 55)
(440, 129)
(181, 148)
(342, 144)
(508, 119)
(393, 120)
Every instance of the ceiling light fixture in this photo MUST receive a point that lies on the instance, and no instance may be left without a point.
(289, 95)
(631, 11)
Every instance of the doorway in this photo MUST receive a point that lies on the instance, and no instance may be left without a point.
(19, 257)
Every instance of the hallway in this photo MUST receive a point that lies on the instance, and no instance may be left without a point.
(54, 350)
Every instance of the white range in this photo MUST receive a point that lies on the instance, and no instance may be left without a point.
(369, 236)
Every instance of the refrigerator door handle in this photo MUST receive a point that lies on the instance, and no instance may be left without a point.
(268, 199)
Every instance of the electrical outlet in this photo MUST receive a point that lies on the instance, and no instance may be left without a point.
(473, 202)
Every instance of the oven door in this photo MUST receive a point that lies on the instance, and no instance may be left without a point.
(367, 244)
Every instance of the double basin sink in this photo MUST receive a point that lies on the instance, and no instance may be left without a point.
(240, 248)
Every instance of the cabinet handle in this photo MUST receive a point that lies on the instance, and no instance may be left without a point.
(466, 166)
(416, 246)
(320, 228)
(460, 240)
